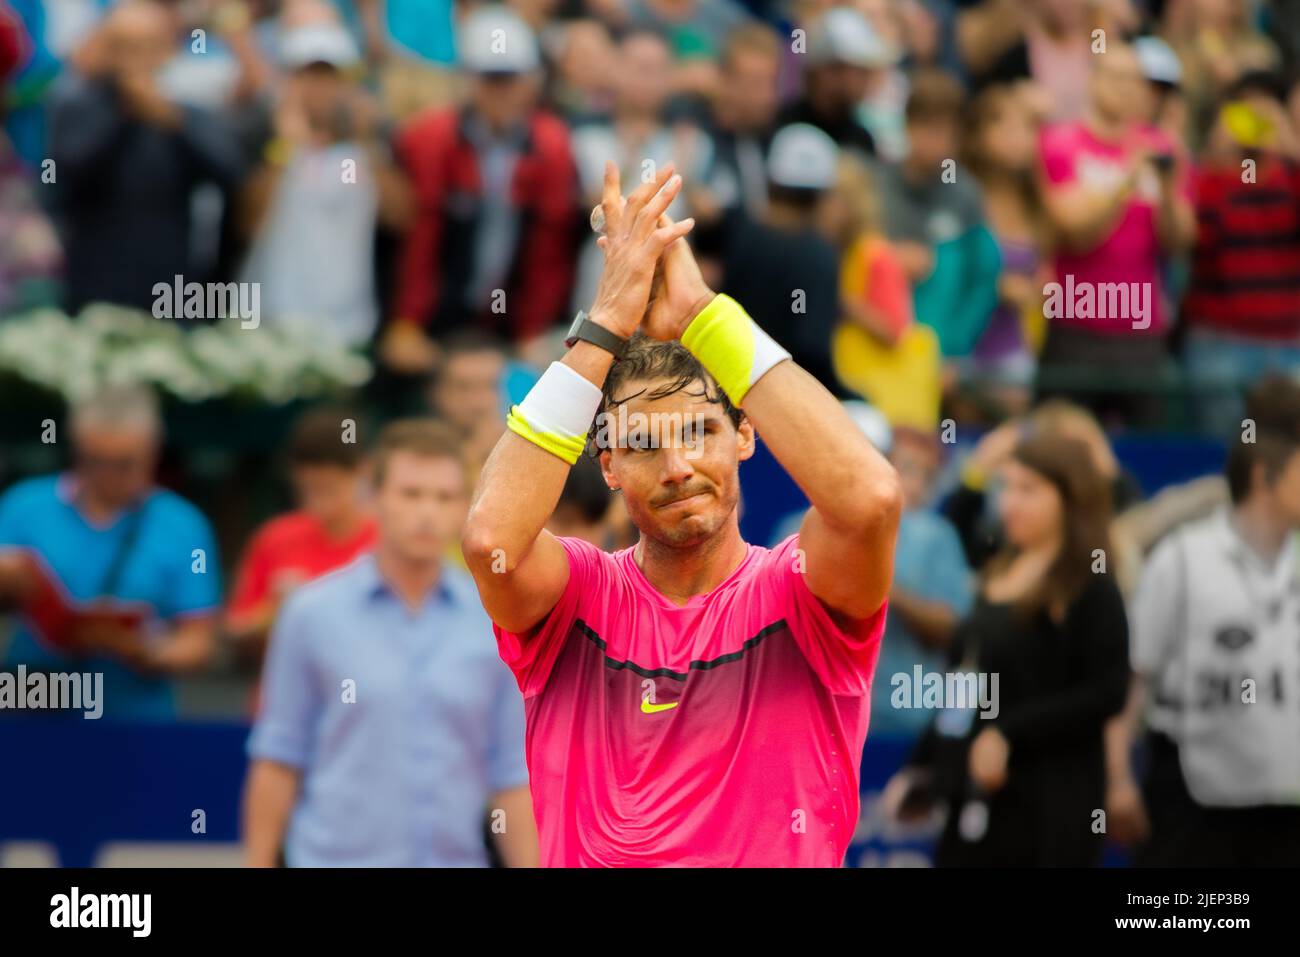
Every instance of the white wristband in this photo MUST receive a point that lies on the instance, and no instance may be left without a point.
(557, 412)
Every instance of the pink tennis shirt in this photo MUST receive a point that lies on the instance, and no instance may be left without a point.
(726, 732)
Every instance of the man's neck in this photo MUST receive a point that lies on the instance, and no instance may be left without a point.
(1261, 528)
(680, 574)
(98, 511)
(412, 581)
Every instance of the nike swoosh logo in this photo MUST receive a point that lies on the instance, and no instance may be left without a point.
(648, 708)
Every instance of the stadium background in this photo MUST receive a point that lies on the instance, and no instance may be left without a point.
(86, 786)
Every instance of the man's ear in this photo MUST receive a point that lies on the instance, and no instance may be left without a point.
(746, 439)
(605, 470)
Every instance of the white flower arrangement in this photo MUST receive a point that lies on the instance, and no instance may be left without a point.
(109, 345)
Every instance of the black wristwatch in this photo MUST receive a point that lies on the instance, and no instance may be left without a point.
(586, 330)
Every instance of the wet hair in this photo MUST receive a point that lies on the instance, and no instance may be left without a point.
(651, 359)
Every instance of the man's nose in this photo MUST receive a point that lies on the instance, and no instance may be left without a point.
(676, 464)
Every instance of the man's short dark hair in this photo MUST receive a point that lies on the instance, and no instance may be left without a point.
(318, 439)
(647, 358)
(1273, 406)
(426, 437)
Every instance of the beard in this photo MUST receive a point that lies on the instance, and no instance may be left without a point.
(693, 525)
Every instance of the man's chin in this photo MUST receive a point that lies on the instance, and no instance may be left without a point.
(687, 531)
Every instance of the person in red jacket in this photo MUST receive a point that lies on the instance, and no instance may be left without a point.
(494, 238)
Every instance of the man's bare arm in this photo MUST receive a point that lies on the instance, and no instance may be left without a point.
(269, 797)
(848, 535)
(521, 570)
(517, 840)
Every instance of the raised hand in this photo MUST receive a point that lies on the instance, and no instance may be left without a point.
(678, 293)
(633, 242)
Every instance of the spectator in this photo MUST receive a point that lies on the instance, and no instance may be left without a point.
(781, 267)
(412, 45)
(968, 506)
(468, 391)
(1164, 76)
(1217, 43)
(493, 236)
(331, 526)
(741, 122)
(1023, 779)
(1243, 307)
(1052, 43)
(137, 564)
(326, 183)
(932, 585)
(878, 351)
(1000, 148)
(1215, 656)
(1116, 192)
(128, 160)
(696, 29)
(582, 82)
(934, 217)
(388, 727)
(843, 58)
(637, 139)
(883, 103)
(30, 256)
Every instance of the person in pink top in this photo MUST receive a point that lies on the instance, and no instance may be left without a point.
(1117, 196)
(693, 700)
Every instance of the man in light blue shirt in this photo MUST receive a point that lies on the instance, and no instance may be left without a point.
(390, 731)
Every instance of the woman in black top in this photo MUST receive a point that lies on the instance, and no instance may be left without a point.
(1026, 786)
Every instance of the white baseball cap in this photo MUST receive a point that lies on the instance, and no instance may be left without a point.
(1158, 60)
(802, 157)
(843, 35)
(318, 43)
(493, 39)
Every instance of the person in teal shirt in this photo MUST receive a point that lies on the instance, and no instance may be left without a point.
(112, 539)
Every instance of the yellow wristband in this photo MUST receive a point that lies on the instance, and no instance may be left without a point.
(731, 346)
(568, 448)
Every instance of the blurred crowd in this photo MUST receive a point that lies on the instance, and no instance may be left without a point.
(1048, 220)
(893, 186)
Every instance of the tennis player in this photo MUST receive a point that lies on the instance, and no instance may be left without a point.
(693, 700)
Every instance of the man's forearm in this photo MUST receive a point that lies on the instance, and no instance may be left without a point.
(820, 447)
(269, 797)
(517, 838)
(503, 522)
